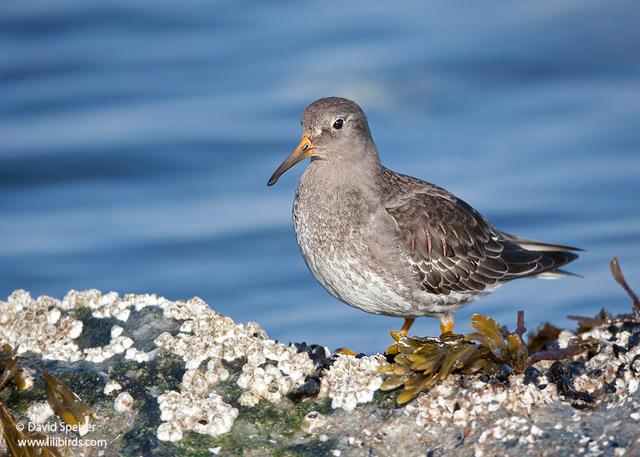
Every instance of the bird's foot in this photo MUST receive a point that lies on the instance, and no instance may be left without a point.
(446, 324)
(393, 349)
(406, 326)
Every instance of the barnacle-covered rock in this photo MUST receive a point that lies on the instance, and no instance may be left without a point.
(351, 381)
(37, 326)
(209, 335)
(117, 345)
(175, 378)
(450, 403)
(184, 411)
(271, 370)
(271, 373)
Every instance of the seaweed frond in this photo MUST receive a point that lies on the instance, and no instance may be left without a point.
(617, 274)
(586, 323)
(20, 443)
(419, 363)
(66, 404)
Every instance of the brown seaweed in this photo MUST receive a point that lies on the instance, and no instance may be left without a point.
(616, 271)
(586, 323)
(66, 404)
(19, 443)
(419, 363)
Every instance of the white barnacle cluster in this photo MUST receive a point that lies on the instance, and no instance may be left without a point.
(117, 345)
(204, 334)
(39, 326)
(448, 403)
(45, 327)
(110, 305)
(512, 428)
(104, 305)
(271, 371)
(196, 407)
(139, 356)
(139, 302)
(350, 381)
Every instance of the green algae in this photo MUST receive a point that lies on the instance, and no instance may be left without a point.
(163, 373)
(264, 429)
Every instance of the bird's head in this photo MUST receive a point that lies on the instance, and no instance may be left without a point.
(333, 129)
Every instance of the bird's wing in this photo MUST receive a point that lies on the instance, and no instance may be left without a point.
(452, 248)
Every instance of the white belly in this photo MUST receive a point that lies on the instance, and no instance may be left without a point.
(349, 282)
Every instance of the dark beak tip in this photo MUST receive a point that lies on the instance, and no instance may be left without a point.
(272, 181)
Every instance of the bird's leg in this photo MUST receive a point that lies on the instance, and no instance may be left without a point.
(406, 326)
(446, 324)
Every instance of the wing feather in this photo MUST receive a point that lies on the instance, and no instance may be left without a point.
(452, 248)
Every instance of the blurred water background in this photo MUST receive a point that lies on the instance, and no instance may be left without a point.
(136, 139)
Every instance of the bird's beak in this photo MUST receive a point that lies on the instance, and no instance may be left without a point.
(301, 152)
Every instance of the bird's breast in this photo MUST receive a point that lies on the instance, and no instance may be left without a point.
(322, 223)
(334, 233)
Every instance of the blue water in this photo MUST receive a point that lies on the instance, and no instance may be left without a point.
(136, 139)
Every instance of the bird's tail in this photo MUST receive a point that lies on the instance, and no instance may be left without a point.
(553, 256)
(533, 245)
(559, 259)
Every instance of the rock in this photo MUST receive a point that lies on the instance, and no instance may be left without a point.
(177, 378)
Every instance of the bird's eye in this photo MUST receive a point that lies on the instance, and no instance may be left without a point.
(338, 124)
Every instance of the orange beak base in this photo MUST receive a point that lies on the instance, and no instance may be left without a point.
(301, 152)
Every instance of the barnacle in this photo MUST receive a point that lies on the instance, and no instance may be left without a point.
(351, 380)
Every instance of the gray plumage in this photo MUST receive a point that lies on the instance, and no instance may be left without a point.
(392, 244)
